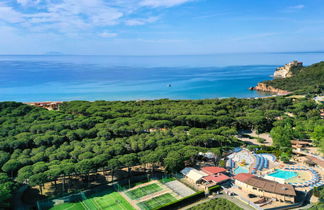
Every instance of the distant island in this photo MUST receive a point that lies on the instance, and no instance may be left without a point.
(295, 78)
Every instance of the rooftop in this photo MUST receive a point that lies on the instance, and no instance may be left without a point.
(213, 170)
(193, 174)
(266, 185)
(243, 177)
(216, 179)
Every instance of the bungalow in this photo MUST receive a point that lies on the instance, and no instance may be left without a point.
(265, 188)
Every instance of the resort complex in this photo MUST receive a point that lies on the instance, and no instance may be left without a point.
(260, 181)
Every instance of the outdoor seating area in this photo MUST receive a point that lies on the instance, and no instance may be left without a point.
(314, 182)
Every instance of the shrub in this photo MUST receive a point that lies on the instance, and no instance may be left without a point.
(183, 201)
(218, 203)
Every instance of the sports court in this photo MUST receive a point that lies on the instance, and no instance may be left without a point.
(156, 201)
(179, 188)
(143, 191)
(105, 200)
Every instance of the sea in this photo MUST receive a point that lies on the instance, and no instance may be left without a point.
(36, 78)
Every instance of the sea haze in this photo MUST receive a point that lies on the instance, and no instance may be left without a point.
(65, 78)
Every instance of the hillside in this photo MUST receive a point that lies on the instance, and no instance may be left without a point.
(306, 80)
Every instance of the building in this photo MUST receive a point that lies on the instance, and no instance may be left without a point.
(296, 144)
(287, 70)
(265, 188)
(47, 105)
(194, 175)
(213, 170)
(214, 180)
(207, 176)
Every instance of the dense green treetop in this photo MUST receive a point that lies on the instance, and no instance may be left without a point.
(305, 80)
(37, 145)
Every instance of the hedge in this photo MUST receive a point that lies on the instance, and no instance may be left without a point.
(183, 201)
(214, 188)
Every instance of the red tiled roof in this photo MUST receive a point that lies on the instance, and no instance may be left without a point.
(213, 170)
(243, 177)
(316, 160)
(216, 179)
(266, 185)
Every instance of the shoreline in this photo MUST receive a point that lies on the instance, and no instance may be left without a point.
(261, 86)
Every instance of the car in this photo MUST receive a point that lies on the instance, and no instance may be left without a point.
(252, 196)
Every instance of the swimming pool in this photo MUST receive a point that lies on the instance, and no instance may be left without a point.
(283, 174)
(240, 170)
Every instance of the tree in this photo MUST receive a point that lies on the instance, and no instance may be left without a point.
(174, 162)
(285, 157)
(282, 136)
(38, 179)
(24, 173)
(318, 135)
(11, 166)
(113, 164)
(7, 187)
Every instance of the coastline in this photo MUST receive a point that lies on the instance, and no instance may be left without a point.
(268, 88)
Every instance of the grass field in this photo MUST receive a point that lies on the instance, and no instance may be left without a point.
(156, 202)
(106, 200)
(143, 191)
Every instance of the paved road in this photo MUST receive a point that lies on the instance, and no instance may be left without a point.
(227, 197)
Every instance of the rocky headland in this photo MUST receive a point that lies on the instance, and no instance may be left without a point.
(285, 71)
(288, 69)
(267, 88)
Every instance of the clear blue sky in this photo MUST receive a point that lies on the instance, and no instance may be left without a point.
(160, 27)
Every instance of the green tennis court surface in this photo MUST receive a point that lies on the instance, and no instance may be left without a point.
(106, 200)
(143, 191)
(157, 201)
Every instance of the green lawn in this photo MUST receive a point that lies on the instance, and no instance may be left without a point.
(107, 200)
(67, 206)
(143, 191)
(157, 201)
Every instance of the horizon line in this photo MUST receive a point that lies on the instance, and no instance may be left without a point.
(143, 55)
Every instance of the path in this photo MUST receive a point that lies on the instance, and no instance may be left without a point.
(265, 136)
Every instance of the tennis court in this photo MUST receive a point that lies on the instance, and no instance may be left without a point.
(106, 200)
(179, 188)
(157, 201)
(143, 191)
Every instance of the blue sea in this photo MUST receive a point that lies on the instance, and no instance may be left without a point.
(71, 77)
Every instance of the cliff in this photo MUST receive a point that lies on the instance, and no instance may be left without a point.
(267, 88)
(287, 70)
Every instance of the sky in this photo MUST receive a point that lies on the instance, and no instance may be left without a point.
(160, 27)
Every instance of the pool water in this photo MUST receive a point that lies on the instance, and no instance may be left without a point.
(240, 170)
(283, 174)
